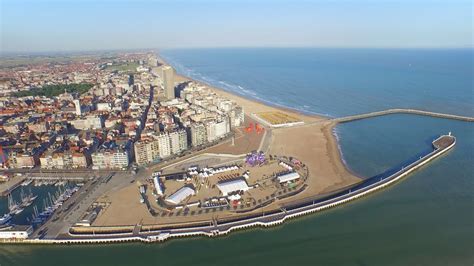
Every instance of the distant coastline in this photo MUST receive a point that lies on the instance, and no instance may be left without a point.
(250, 97)
(336, 82)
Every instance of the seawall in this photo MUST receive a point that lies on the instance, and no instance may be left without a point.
(218, 228)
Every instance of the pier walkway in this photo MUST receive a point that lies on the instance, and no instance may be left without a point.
(402, 111)
(7, 187)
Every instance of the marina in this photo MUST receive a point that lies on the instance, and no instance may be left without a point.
(27, 179)
(25, 200)
(51, 204)
(31, 203)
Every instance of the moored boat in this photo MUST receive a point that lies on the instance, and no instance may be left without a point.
(5, 218)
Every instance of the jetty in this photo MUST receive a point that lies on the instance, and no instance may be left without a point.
(7, 187)
(402, 111)
(147, 234)
(60, 178)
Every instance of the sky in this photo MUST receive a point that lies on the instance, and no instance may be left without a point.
(84, 25)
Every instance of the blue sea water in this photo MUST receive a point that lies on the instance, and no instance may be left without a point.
(426, 219)
(338, 82)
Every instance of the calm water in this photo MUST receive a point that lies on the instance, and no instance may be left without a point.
(43, 192)
(427, 219)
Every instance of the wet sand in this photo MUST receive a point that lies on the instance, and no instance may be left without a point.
(251, 106)
(315, 146)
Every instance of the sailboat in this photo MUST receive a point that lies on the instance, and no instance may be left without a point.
(13, 207)
(27, 200)
(37, 219)
(5, 218)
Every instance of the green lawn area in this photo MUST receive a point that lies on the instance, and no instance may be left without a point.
(55, 90)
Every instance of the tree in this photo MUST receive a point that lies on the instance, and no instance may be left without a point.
(55, 90)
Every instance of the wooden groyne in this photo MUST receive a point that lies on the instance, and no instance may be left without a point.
(402, 111)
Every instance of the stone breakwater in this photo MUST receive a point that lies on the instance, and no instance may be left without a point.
(403, 111)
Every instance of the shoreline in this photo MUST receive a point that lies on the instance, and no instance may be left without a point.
(330, 135)
(240, 98)
(334, 138)
(245, 97)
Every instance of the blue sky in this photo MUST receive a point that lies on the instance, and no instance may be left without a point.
(40, 25)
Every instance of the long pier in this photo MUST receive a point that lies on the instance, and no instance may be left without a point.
(271, 218)
(59, 178)
(402, 111)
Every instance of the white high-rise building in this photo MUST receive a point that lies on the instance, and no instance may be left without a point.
(178, 141)
(167, 74)
(110, 159)
(237, 117)
(198, 134)
(77, 104)
(217, 129)
(164, 145)
(211, 131)
(146, 151)
(222, 128)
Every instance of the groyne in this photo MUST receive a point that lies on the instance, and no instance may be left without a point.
(402, 111)
(265, 219)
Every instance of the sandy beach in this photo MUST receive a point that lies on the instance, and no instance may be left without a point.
(313, 143)
(319, 149)
(251, 105)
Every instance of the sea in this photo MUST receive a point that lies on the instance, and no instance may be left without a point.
(426, 219)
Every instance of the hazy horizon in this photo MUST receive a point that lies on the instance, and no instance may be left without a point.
(158, 50)
(84, 25)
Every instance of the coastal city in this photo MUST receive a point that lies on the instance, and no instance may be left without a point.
(211, 132)
(119, 147)
(106, 114)
(72, 125)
